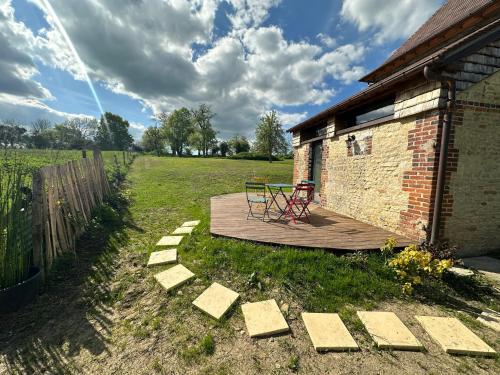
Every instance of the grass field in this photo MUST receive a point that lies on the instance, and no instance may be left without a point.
(32, 159)
(181, 189)
(104, 312)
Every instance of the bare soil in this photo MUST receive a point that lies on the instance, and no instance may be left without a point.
(137, 328)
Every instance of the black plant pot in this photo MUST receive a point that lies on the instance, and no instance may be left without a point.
(19, 295)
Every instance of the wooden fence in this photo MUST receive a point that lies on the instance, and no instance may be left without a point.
(63, 199)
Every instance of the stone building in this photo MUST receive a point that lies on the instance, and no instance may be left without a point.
(417, 152)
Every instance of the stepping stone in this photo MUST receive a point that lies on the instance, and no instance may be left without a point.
(216, 300)
(328, 332)
(264, 318)
(183, 230)
(158, 258)
(490, 318)
(388, 331)
(170, 241)
(459, 271)
(453, 336)
(174, 277)
(191, 223)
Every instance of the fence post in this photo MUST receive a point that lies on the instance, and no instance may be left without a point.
(84, 153)
(36, 215)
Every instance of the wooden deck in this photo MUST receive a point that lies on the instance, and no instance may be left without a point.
(327, 230)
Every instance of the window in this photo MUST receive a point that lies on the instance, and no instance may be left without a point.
(375, 114)
(378, 110)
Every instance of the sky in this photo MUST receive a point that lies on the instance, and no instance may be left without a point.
(68, 58)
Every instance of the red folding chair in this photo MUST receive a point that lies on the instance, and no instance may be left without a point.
(300, 199)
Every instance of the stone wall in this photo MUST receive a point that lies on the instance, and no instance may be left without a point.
(471, 211)
(368, 186)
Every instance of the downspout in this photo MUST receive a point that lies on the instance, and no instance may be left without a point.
(443, 151)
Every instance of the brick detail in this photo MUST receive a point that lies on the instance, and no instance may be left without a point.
(302, 165)
(362, 147)
(419, 182)
(324, 170)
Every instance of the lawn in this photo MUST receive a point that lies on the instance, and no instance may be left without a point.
(103, 311)
(33, 159)
(321, 280)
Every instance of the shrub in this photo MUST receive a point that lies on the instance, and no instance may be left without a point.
(251, 156)
(413, 265)
(15, 222)
(388, 249)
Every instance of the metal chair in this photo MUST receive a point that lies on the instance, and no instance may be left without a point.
(310, 182)
(302, 196)
(256, 196)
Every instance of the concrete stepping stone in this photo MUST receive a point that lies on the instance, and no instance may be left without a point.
(169, 241)
(174, 277)
(158, 258)
(216, 300)
(453, 336)
(490, 318)
(191, 223)
(388, 331)
(459, 271)
(264, 318)
(328, 332)
(183, 230)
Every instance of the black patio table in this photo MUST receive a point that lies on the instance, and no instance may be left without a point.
(276, 190)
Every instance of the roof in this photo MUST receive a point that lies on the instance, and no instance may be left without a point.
(440, 27)
(443, 55)
(452, 14)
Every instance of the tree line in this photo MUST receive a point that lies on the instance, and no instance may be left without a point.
(111, 132)
(186, 130)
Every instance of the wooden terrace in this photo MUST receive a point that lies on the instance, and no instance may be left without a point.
(326, 230)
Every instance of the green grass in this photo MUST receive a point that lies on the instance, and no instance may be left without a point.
(33, 159)
(168, 191)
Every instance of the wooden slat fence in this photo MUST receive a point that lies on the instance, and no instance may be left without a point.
(63, 199)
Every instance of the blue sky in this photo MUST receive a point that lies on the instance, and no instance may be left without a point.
(242, 57)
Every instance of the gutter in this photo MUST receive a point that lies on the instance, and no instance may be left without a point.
(432, 75)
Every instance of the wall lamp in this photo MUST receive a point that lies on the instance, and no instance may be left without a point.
(350, 140)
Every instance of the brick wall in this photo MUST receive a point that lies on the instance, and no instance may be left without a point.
(471, 210)
(324, 171)
(302, 163)
(419, 180)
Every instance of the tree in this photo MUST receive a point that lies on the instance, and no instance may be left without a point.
(112, 133)
(195, 140)
(152, 140)
(224, 148)
(215, 149)
(41, 136)
(201, 120)
(176, 129)
(76, 133)
(270, 136)
(238, 144)
(11, 134)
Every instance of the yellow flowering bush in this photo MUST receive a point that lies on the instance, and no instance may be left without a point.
(388, 248)
(412, 265)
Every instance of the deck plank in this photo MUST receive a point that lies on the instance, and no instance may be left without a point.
(327, 230)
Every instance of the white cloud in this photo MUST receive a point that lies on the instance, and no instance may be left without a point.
(250, 12)
(28, 110)
(389, 19)
(290, 119)
(146, 50)
(327, 40)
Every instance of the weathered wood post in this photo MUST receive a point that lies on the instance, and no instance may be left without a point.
(36, 217)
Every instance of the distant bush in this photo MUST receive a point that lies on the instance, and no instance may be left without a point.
(251, 156)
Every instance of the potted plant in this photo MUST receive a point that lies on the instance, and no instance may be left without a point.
(19, 280)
